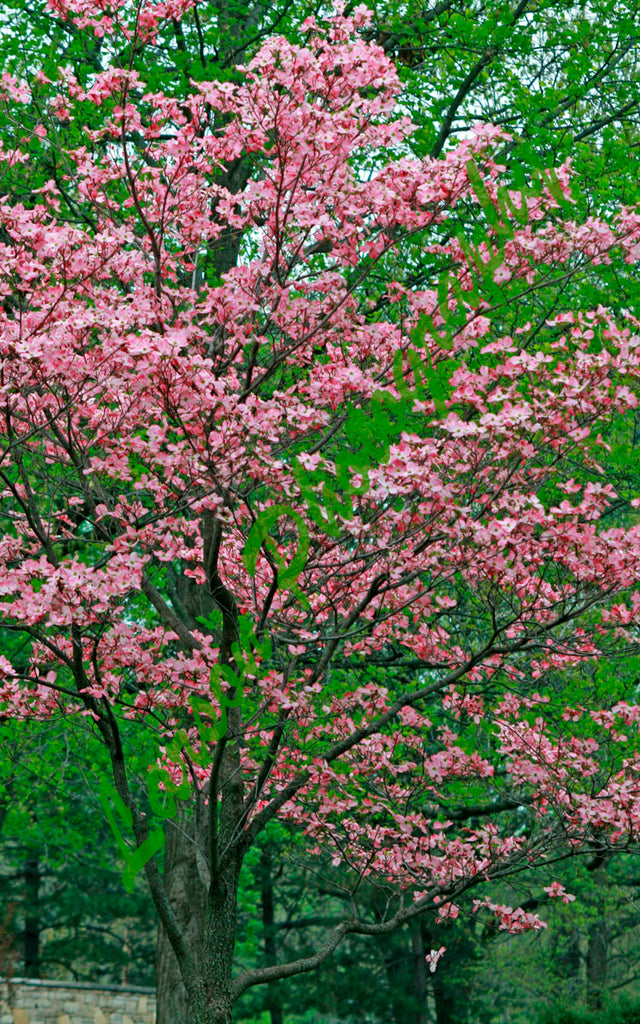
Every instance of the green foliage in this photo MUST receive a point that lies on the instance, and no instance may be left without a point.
(621, 1011)
(88, 927)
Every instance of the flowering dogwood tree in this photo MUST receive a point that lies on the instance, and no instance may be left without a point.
(338, 477)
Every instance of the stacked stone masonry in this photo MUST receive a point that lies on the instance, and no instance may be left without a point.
(26, 1001)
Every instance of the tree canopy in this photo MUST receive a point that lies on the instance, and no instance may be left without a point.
(312, 420)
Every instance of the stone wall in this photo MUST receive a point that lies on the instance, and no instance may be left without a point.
(27, 1001)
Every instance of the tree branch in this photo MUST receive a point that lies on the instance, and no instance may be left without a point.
(168, 616)
(457, 102)
(604, 121)
(356, 926)
(346, 744)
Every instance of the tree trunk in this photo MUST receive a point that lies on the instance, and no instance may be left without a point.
(204, 903)
(188, 896)
(596, 965)
(32, 919)
(419, 970)
(445, 994)
(216, 962)
(444, 998)
(406, 974)
(273, 1001)
(185, 870)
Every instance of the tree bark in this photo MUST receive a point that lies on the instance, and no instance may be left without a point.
(405, 969)
(32, 919)
(596, 965)
(273, 1001)
(445, 1004)
(188, 897)
(219, 944)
